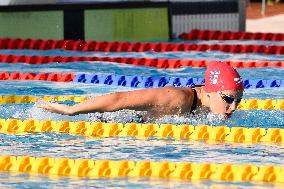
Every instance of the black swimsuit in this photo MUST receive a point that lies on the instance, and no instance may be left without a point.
(194, 103)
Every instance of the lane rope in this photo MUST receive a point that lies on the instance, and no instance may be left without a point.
(270, 136)
(130, 81)
(156, 81)
(245, 104)
(56, 77)
(230, 35)
(151, 62)
(125, 168)
(8, 43)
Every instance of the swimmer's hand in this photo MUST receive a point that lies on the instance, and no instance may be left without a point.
(55, 108)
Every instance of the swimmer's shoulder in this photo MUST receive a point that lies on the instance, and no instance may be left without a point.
(177, 92)
(192, 92)
(183, 93)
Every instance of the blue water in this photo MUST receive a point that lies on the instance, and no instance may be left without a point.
(118, 148)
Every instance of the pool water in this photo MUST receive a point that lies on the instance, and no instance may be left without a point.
(122, 148)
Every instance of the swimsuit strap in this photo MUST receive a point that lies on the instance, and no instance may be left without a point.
(194, 103)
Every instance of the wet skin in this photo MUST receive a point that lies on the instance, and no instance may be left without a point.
(157, 102)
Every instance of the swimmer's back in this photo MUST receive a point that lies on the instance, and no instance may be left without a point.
(170, 100)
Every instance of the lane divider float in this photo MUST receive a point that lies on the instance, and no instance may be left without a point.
(130, 81)
(13, 99)
(104, 46)
(156, 81)
(56, 77)
(268, 136)
(245, 104)
(229, 35)
(151, 62)
(126, 168)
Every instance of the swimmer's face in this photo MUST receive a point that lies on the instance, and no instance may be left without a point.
(225, 102)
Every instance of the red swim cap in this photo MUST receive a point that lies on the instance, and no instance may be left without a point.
(220, 76)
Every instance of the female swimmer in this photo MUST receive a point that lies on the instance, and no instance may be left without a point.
(222, 92)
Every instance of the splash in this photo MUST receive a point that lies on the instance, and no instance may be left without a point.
(250, 118)
(202, 118)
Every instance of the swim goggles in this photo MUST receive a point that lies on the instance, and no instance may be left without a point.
(230, 99)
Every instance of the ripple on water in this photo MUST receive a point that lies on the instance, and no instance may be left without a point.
(153, 149)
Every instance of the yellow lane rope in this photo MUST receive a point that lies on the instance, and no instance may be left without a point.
(125, 168)
(187, 132)
(12, 99)
(246, 104)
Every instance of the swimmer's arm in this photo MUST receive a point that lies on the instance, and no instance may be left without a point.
(134, 100)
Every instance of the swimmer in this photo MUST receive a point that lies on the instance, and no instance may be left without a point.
(221, 94)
